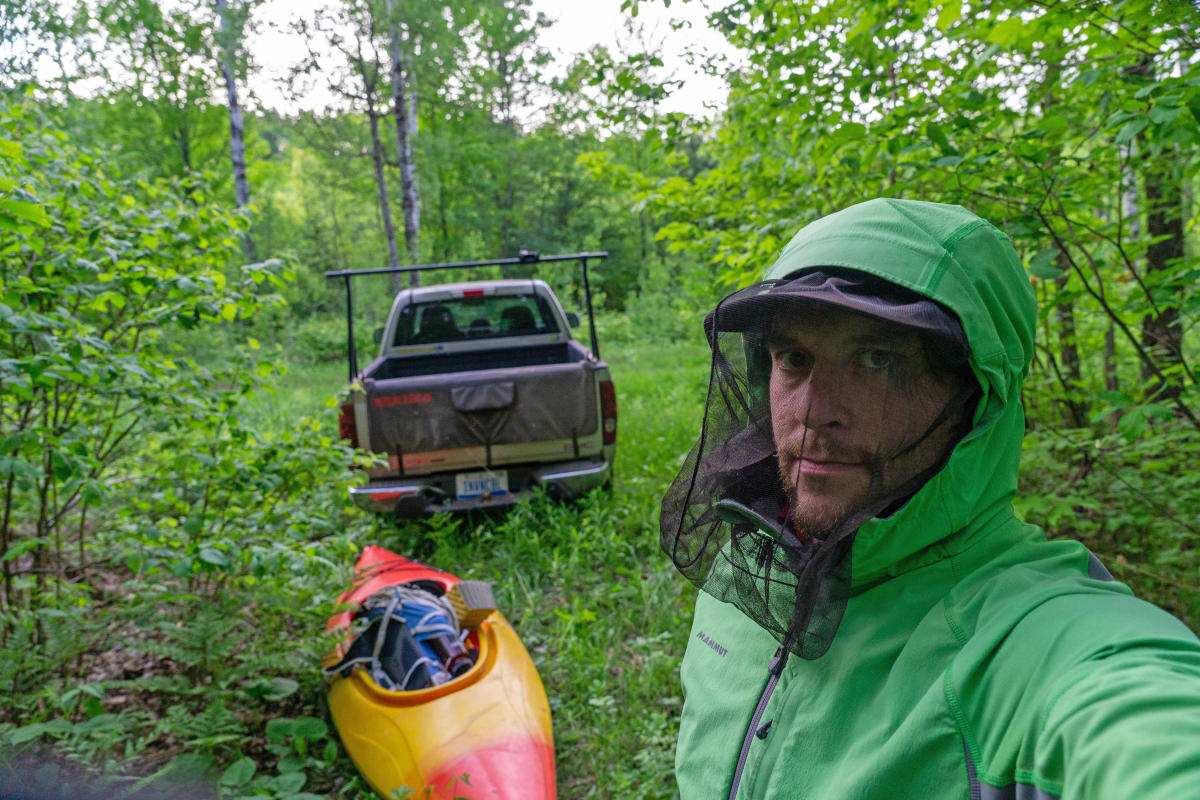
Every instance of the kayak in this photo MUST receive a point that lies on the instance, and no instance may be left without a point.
(483, 732)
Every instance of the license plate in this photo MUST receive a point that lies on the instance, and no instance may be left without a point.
(478, 484)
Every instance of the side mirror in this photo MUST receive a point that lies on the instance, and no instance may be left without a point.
(378, 335)
(572, 319)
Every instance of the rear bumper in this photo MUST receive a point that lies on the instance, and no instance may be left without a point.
(429, 494)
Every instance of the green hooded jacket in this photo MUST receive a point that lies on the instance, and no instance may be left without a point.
(975, 659)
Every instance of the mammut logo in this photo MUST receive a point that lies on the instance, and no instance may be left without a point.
(403, 399)
(702, 636)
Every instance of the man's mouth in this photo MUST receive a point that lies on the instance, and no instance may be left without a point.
(819, 466)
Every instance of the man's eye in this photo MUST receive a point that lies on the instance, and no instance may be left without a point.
(876, 359)
(793, 359)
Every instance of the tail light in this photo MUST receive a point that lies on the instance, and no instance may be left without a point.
(347, 429)
(608, 411)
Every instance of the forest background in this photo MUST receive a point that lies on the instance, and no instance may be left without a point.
(175, 528)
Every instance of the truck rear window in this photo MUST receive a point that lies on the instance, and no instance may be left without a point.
(479, 317)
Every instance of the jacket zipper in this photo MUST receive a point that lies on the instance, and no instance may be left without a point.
(774, 670)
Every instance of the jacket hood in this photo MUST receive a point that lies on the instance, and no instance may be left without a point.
(954, 257)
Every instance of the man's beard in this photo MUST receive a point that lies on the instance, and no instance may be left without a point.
(814, 507)
(820, 506)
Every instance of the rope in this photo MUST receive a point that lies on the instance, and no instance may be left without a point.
(425, 614)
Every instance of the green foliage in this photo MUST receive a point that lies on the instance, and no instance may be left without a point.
(1071, 126)
(92, 280)
(150, 530)
(1129, 499)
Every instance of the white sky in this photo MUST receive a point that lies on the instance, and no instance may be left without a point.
(578, 26)
(581, 25)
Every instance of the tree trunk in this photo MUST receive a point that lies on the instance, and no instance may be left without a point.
(1111, 384)
(506, 247)
(338, 260)
(1068, 351)
(237, 139)
(385, 209)
(1162, 332)
(410, 198)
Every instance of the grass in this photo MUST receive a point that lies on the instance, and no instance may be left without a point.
(595, 601)
(216, 675)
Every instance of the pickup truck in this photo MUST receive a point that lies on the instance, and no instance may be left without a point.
(479, 395)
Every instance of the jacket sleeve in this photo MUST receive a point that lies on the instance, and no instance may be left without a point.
(1088, 695)
(1126, 725)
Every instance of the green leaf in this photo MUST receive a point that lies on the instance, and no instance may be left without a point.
(21, 209)
(289, 783)
(279, 729)
(21, 547)
(62, 466)
(1131, 129)
(1164, 114)
(949, 161)
(191, 766)
(27, 733)
(1119, 399)
(1006, 31)
(309, 728)
(239, 772)
(291, 764)
(92, 707)
(1043, 264)
(939, 138)
(1132, 424)
(950, 14)
(10, 223)
(213, 557)
(272, 688)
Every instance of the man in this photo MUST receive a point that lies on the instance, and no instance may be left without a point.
(875, 621)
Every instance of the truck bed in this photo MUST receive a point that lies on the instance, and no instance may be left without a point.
(385, 369)
(521, 398)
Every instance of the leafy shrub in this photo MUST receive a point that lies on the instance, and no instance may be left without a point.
(163, 556)
(1130, 497)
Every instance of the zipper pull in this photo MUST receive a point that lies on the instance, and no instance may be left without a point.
(775, 669)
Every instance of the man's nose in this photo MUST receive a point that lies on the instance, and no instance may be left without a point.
(822, 403)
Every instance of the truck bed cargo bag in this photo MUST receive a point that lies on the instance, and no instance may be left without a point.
(483, 397)
(434, 412)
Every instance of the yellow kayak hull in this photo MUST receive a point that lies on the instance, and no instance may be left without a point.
(484, 734)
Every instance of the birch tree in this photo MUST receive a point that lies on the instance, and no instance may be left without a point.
(406, 128)
(232, 22)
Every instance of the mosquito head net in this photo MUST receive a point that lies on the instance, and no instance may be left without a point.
(833, 396)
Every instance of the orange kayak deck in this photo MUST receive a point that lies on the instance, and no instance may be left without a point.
(485, 734)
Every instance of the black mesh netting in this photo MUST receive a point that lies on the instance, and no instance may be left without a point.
(727, 522)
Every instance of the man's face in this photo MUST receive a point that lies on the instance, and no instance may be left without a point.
(852, 399)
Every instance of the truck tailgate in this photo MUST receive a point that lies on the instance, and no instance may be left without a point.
(488, 408)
